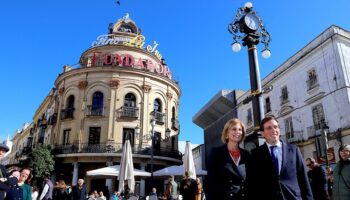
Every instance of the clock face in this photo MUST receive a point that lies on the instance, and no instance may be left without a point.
(251, 21)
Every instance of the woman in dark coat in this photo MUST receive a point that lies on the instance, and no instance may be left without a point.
(341, 188)
(226, 172)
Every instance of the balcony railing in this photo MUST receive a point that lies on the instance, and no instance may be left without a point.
(315, 130)
(267, 108)
(95, 112)
(114, 148)
(129, 112)
(67, 113)
(311, 83)
(175, 124)
(284, 99)
(297, 137)
(159, 117)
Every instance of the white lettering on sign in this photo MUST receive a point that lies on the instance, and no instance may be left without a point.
(108, 39)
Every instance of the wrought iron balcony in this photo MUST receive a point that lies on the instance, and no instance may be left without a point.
(312, 83)
(267, 108)
(52, 119)
(129, 112)
(315, 130)
(114, 148)
(67, 113)
(175, 124)
(94, 112)
(284, 99)
(159, 117)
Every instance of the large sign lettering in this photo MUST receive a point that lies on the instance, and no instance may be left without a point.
(138, 41)
(126, 60)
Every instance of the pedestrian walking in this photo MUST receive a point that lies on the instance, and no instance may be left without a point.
(25, 176)
(341, 175)
(318, 179)
(79, 191)
(188, 187)
(47, 190)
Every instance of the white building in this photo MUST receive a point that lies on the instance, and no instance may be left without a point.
(309, 90)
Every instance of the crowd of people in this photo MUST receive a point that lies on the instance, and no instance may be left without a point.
(275, 170)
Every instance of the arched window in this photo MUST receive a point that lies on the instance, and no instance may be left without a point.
(173, 113)
(68, 113)
(97, 103)
(157, 105)
(130, 100)
(70, 102)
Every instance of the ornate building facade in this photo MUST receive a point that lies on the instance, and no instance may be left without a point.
(120, 85)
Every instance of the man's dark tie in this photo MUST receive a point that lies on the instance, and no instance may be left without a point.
(274, 158)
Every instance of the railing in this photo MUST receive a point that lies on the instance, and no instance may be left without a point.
(175, 124)
(297, 137)
(114, 148)
(67, 113)
(158, 116)
(131, 112)
(311, 83)
(284, 99)
(52, 119)
(267, 108)
(90, 111)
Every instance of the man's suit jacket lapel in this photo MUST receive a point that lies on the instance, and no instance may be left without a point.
(285, 153)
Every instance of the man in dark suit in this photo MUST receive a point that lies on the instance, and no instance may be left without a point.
(3, 173)
(276, 170)
(318, 180)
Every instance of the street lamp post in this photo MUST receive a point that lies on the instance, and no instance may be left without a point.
(248, 28)
(153, 123)
(325, 130)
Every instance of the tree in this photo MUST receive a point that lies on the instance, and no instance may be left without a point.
(42, 161)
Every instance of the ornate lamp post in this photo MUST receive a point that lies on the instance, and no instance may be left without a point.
(153, 123)
(248, 27)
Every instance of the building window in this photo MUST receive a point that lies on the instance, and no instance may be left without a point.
(68, 113)
(318, 117)
(288, 125)
(312, 79)
(284, 95)
(97, 104)
(249, 116)
(267, 105)
(66, 134)
(94, 135)
(157, 105)
(130, 100)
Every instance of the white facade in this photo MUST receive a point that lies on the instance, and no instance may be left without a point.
(310, 89)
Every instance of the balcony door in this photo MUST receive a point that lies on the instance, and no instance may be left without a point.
(94, 135)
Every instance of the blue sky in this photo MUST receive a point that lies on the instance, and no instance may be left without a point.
(38, 37)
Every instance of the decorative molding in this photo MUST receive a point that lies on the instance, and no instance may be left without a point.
(315, 97)
(114, 83)
(82, 85)
(169, 95)
(285, 110)
(60, 91)
(146, 88)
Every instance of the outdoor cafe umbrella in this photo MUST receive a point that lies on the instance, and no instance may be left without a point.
(188, 161)
(113, 171)
(126, 172)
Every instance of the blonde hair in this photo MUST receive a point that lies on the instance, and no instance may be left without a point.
(227, 127)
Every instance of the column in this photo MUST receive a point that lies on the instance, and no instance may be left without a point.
(108, 180)
(142, 181)
(75, 173)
